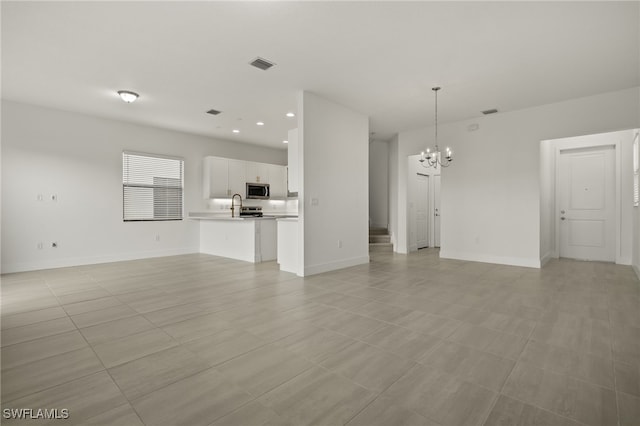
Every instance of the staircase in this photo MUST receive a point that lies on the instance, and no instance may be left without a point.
(379, 240)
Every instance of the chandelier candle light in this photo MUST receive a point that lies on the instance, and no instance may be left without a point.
(433, 157)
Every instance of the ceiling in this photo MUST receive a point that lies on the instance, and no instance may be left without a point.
(378, 58)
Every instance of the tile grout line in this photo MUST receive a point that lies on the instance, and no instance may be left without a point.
(106, 369)
(613, 363)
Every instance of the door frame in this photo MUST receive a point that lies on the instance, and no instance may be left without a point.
(429, 209)
(582, 143)
(432, 233)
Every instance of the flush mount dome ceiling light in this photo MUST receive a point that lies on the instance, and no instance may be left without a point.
(432, 156)
(128, 96)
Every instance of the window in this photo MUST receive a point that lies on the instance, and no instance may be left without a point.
(152, 187)
(636, 170)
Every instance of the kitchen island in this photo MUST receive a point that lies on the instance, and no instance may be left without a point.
(252, 239)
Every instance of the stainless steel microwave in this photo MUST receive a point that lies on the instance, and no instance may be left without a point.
(258, 191)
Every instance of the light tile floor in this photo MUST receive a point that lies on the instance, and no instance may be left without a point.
(404, 340)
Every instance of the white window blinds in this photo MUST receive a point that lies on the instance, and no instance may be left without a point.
(152, 187)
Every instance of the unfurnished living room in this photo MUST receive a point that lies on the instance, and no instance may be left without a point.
(320, 213)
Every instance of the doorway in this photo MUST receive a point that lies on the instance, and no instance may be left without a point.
(586, 199)
(590, 179)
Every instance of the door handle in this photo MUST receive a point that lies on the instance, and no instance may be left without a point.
(562, 218)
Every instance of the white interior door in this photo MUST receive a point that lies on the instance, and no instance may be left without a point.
(586, 204)
(436, 211)
(422, 211)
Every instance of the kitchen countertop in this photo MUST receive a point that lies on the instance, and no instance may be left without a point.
(287, 219)
(227, 216)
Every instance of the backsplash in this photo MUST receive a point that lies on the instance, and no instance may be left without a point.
(268, 206)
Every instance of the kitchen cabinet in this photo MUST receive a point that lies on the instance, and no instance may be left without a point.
(256, 172)
(292, 157)
(223, 177)
(237, 178)
(277, 181)
(215, 182)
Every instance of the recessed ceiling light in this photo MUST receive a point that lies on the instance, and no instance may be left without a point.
(236, 131)
(260, 123)
(290, 114)
(285, 141)
(128, 96)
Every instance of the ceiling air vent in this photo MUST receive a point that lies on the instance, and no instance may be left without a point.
(489, 111)
(263, 64)
(213, 112)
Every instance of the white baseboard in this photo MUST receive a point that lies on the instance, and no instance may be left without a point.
(623, 261)
(79, 261)
(546, 258)
(332, 266)
(500, 260)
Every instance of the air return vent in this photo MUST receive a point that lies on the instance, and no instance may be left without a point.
(263, 64)
(213, 112)
(489, 111)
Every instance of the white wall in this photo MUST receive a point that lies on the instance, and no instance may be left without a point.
(623, 141)
(79, 158)
(547, 204)
(491, 195)
(378, 184)
(393, 192)
(333, 194)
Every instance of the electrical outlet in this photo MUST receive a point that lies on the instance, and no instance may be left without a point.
(54, 245)
(157, 237)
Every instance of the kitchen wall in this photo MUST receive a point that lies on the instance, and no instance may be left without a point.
(490, 199)
(78, 158)
(378, 184)
(334, 154)
(223, 206)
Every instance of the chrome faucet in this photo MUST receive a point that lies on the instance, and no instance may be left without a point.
(233, 198)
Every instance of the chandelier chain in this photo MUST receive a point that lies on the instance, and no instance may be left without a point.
(436, 158)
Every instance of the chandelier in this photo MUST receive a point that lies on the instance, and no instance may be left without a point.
(433, 157)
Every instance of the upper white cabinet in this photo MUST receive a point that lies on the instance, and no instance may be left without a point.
(256, 172)
(237, 177)
(292, 156)
(215, 182)
(223, 177)
(277, 181)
